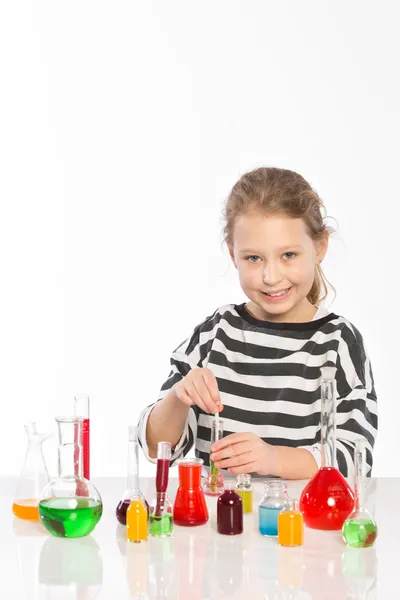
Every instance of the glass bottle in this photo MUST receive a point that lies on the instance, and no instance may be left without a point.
(70, 506)
(137, 521)
(81, 409)
(290, 525)
(214, 484)
(190, 506)
(359, 529)
(245, 491)
(133, 490)
(275, 498)
(34, 476)
(327, 500)
(229, 513)
(160, 516)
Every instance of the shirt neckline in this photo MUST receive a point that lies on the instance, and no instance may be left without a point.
(308, 325)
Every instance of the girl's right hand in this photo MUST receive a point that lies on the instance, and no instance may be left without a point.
(199, 387)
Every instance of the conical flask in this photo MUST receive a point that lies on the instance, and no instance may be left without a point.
(327, 500)
(34, 476)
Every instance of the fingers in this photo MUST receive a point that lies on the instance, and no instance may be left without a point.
(200, 387)
(232, 450)
(235, 460)
(212, 385)
(203, 392)
(250, 467)
(231, 440)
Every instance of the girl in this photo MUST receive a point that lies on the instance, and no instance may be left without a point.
(259, 363)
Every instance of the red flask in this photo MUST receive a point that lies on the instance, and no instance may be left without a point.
(190, 506)
(327, 500)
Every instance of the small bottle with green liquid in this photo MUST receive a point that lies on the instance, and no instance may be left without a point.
(160, 515)
(359, 529)
(245, 491)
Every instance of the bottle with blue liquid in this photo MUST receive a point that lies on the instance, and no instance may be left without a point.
(274, 500)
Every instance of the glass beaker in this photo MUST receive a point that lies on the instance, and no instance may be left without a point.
(275, 498)
(359, 529)
(214, 484)
(327, 500)
(160, 515)
(245, 491)
(70, 506)
(34, 476)
(190, 506)
(133, 477)
(81, 409)
(229, 513)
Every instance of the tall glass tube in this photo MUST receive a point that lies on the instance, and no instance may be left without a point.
(327, 500)
(214, 485)
(81, 409)
(133, 489)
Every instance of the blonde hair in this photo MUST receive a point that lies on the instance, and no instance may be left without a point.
(271, 190)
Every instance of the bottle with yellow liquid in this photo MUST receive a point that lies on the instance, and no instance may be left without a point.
(34, 476)
(245, 491)
(137, 520)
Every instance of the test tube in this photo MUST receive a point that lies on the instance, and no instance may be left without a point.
(81, 409)
(215, 480)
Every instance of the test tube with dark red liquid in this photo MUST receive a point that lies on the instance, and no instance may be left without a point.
(82, 410)
(160, 518)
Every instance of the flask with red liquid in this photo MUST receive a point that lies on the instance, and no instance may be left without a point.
(327, 500)
(190, 508)
(133, 490)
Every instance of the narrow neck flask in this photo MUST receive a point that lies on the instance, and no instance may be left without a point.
(160, 515)
(215, 480)
(190, 506)
(360, 530)
(327, 500)
(275, 498)
(245, 491)
(81, 409)
(70, 505)
(133, 489)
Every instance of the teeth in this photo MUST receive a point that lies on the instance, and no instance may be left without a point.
(278, 294)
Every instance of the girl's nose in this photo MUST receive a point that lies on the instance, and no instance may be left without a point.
(271, 274)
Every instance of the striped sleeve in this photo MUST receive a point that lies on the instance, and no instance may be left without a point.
(189, 355)
(356, 414)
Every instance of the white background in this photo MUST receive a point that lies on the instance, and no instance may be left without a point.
(123, 126)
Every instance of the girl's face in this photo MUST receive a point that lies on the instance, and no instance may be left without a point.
(276, 260)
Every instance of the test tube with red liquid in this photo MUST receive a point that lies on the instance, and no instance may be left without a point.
(82, 410)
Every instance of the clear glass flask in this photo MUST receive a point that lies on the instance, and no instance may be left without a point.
(290, 525)
(359, 529)
(214, 485)
(327, 500)
(70, 506)
(190, 506)
(34, 476)
(245, 491)
(275, 498)
(160, 516)
(133, 490)
(81, 409)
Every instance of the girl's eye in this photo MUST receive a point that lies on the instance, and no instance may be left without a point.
(253, 259)
(289, 255)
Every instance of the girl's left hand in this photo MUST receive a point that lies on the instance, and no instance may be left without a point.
(244, 453)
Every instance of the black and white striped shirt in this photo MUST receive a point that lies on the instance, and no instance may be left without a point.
(268, 376)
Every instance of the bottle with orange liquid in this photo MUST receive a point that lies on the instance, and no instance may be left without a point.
(136, 521)
(290, 525)
(34, 476)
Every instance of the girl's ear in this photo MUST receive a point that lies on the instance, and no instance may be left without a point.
(322, 247)
(230, 250)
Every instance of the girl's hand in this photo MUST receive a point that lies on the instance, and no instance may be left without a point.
(199, 387)
(244, 453)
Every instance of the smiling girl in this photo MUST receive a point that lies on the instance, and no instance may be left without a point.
(259, 363)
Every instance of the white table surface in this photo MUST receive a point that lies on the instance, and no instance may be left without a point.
(197, 563)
